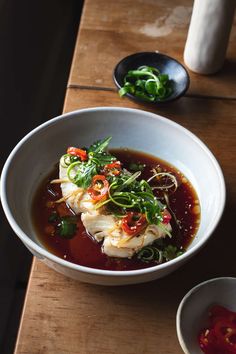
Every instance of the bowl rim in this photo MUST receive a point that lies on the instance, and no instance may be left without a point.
(44, 253)
(133, 55)
(186, 298)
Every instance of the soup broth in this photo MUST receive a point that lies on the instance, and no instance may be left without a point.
(82, 249)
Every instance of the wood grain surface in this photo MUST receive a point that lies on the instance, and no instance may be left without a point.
(111, 30)
(62, 316)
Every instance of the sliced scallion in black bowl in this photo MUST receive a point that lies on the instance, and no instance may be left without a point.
(151, 77)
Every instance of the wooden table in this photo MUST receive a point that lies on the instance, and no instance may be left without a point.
(64, 316)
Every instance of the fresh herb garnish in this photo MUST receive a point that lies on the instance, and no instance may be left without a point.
(159, 252)
(127, 192)
(100, 145)
(171, 252)
(67, 226)
(147, 83)
(68, 159)
(82, 172)
(85, 173)
(149, 254)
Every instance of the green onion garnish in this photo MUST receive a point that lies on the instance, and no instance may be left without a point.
(147, 83)
(158, 252)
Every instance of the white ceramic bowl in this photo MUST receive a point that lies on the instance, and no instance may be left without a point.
(192, 314)
(37, 152)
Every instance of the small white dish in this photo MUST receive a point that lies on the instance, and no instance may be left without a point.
(192, 313)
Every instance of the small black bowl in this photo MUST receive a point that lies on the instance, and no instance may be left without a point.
(165, 64)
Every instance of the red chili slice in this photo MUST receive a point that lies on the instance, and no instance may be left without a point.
(82, 154)
(207, 341)
(133, 223)
(220, 337)
(113, 168)
(218, 312)
(211, 344)
(99, 187)
(226, 333)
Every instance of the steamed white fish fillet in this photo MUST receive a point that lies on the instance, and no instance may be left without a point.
(113, 251)
(147, 237)
(153, 232)
(107, 228)
(100, 226)
(127, 246)
(116, 242)
(77, 198)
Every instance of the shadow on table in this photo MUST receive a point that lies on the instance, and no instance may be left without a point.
(37, 41)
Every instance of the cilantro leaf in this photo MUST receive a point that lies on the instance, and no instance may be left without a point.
(171, 252)
(84, 174)
(67, 227)
(100, 145)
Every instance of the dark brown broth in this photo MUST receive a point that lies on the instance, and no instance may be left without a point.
(82, 249)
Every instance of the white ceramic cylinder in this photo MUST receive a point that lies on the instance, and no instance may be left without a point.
(208, 35)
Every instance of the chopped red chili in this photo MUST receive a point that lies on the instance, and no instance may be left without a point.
(133, 223)
(220, 336)
(99, 187)
(113, 168)
(82, 154)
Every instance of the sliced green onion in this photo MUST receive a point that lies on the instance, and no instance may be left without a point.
(149, 254)
(147, 83)
(70, 169)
